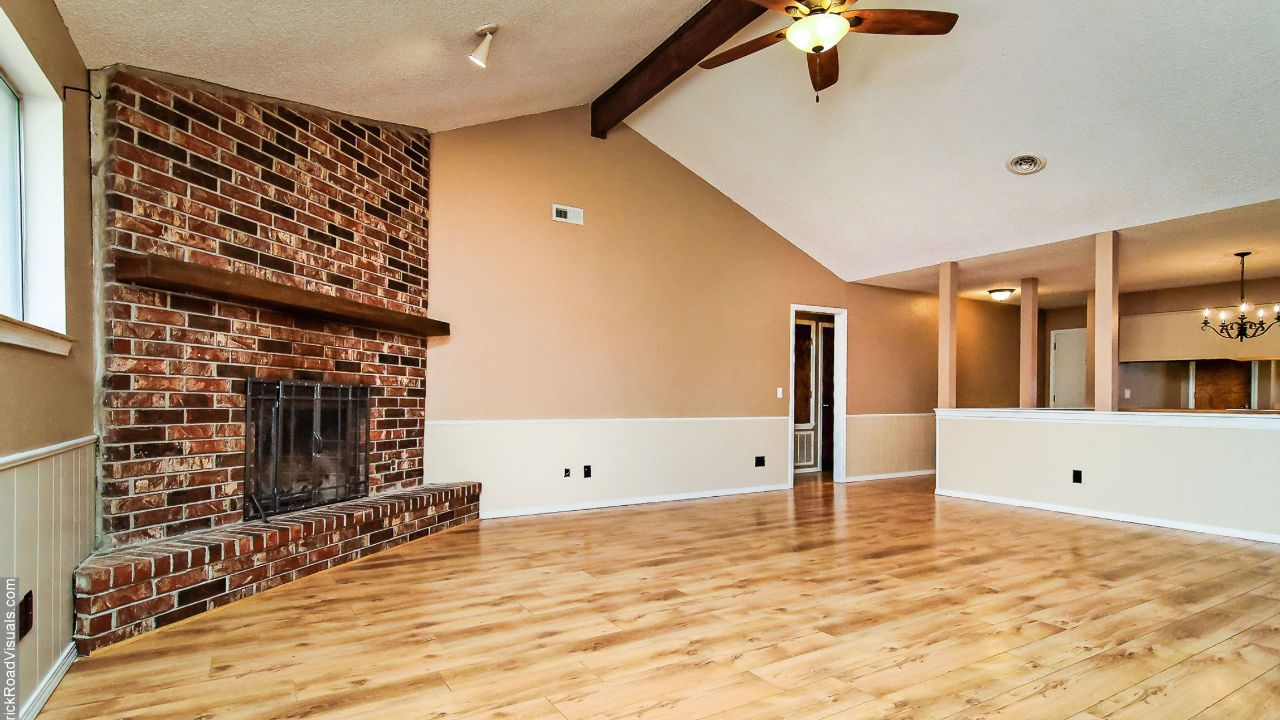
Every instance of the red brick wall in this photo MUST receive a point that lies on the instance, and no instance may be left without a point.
(286, 193)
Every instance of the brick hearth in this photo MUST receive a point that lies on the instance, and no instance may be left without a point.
(121, 593)
(287, 194)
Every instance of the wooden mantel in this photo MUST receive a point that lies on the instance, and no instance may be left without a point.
(169, 274)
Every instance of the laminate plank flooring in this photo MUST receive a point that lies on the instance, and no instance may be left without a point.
(865, 601)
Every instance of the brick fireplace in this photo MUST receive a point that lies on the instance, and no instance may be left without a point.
(271, 191)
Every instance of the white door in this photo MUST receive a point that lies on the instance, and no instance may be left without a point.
(1067, 368)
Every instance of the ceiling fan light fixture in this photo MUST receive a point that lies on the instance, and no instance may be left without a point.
(480, 56)
(817, 32)
(1000, 294)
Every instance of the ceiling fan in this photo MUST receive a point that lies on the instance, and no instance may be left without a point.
(817, 25)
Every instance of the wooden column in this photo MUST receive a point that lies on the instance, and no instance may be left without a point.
(1029, 345)
(947, 335)
(1106, 322)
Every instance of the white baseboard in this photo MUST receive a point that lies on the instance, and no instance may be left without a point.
(1120, 517)
(601, 504)
(885, 476)
(45, 687)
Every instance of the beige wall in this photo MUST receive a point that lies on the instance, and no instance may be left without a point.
(893, 350)
(671, 301)
(46, 399)
(1148, 468)
(987, 354)
(1198, 297)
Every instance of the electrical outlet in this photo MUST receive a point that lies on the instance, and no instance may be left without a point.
(779, 393)
(1128, 394)
(568, 472)
(586, 471)
(26, 614)
(759, 461)
(1077, 477)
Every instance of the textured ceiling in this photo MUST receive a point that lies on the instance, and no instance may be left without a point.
(398, 60)
(1195, 250)
(1146, 110)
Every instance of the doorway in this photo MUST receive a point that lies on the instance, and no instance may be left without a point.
(1067, 368)
(817, 414)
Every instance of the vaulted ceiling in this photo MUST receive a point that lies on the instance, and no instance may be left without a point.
(398, 60)
(1145, 110)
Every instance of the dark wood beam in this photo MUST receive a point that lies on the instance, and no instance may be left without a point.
(707, 30)
(169, 274)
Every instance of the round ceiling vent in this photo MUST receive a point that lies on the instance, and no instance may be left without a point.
(1025, 164)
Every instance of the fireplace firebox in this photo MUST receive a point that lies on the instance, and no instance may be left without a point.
(306, 445)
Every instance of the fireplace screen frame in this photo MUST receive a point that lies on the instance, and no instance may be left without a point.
(283, 408)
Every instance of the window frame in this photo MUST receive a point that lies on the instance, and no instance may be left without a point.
(21, 249)
(42, 193)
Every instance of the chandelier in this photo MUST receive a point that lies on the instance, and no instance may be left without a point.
(1241, 328)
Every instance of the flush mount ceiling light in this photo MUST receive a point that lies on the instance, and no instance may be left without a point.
(1000, 294)
(1025, 164)
(1242, 328)
(480, 55)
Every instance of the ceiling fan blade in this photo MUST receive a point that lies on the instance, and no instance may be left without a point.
(743, 50)
(824, 69)
(789, 8)
(901, 22)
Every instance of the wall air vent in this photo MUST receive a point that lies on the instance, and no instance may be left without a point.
(566, 214)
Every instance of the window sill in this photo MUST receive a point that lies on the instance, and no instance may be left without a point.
(16, 332)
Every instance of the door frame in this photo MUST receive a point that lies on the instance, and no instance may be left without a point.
(1053, 362)
(840, 317)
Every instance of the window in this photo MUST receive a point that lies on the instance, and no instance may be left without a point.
(10, 202)
(33, 303)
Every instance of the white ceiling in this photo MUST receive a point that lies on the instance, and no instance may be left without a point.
(398, 60)
(1195, 250)
(1146, 110)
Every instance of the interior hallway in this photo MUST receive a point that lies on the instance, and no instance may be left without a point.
(867, 600)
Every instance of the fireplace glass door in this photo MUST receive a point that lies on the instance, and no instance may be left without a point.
(306, 445)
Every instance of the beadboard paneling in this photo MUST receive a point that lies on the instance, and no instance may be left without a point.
(886, 445)
(47, 511)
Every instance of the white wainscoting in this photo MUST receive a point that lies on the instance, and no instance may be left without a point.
(1213, 473)
(633, 460)
(48, 508)
(888, 446)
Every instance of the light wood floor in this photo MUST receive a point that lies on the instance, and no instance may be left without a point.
(872, 600)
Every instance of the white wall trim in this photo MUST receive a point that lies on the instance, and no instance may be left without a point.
(1119, 517)
(887, 415)
(46, 686)
(552, 421)
(1229, 421)
(885, 476)
(601, 504)
(23, 458)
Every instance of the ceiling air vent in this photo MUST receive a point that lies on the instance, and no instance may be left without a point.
(1025, 164)
(566, 214)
